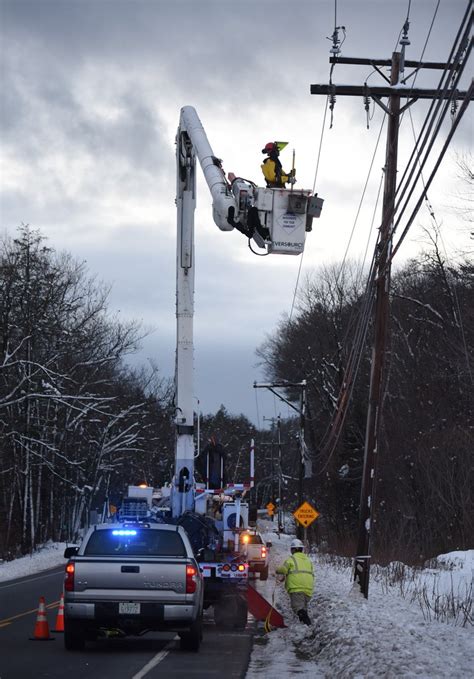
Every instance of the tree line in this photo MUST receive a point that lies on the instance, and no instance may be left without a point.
(75, 421)
(77, 424)
(425, 491)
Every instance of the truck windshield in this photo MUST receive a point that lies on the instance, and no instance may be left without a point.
(135, 542)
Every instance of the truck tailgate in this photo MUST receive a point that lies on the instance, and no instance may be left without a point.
(130, 577)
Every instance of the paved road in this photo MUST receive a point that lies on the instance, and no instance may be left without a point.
(150, 656)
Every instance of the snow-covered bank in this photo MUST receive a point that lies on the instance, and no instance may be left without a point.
(49, 556)
(351, 638)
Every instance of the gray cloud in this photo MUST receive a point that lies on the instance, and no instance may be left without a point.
(91, 92)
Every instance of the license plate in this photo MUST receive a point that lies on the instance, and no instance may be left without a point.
(127, 608)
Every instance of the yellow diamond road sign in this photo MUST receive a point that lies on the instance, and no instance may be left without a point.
(270, 508)
(306, 514)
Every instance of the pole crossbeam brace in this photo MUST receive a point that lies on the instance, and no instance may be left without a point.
(258, 385)
(282, 398)
(271, 386)
(386, 108)
(387, 91)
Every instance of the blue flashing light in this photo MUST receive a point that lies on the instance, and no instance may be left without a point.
(124, 532)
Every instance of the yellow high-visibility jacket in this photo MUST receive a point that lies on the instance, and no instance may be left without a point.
(299, 573)
(269, 169)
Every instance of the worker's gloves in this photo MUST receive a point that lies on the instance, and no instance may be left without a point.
(291, 180)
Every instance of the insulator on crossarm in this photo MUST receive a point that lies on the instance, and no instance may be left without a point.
(367, 109)
(404, 40)
(454, 109)
(332, 103)
(335, 50)
(367, 101)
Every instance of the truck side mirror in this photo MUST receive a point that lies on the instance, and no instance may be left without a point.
(70, 551)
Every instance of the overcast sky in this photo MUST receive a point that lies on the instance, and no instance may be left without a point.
(91, 94)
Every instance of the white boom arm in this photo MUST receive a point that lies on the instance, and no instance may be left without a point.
(275, 218)
(222, 198)
(191, 140)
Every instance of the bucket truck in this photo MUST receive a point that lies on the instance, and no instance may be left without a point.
(275, 220)
(214, 515)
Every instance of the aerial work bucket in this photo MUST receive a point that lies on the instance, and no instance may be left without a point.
(288, 215)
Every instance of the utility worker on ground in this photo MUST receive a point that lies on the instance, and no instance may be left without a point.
(272, 168)
(299, 580)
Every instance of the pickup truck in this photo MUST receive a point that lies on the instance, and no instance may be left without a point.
(256, 552)
(132, 578)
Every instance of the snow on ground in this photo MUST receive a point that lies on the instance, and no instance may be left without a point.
(49, 556)
(351, 638)
(354, 638)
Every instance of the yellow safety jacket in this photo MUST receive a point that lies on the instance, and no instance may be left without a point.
(269, 169)
(299, 574)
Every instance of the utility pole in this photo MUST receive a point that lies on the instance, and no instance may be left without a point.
(383, 261)
(272, 485)
(279, 503)
(302, 446)
(280, 514)
(382, 305)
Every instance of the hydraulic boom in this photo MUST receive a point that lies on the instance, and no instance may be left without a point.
(275, 219)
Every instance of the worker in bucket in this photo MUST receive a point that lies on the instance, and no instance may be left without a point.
(272, 169)
(299, 580)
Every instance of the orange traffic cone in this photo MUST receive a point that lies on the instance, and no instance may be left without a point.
(60, 616)
(41, 632)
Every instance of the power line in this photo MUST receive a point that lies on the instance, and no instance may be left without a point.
(380, 275)
(362, 197)
(433, 173)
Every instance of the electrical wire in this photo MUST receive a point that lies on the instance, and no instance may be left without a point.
(453, 294)
(361, 268)
(407, 20)
(361, 199)
(257, 409)
(459, 68)
(332, 436)
(435, 105)
(470, 94)
(452, 66)
(323, 126)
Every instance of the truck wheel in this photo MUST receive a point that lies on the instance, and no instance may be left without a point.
(74, 635)
(241, 613)
(264, 574)
(190, 641)
(220, 616)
